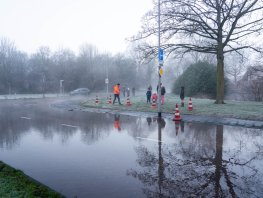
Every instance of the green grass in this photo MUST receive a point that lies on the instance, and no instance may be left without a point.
(232, 109)
(13, 183)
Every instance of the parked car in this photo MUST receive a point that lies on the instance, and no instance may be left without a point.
(80, 91)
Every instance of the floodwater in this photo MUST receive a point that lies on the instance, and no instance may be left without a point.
(87, 154)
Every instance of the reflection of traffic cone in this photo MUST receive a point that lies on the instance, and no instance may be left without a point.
(109, 101)
(177, 116)
(177, 127)
(190, 105)
(153, 103)
(128, 103)
(97, 100)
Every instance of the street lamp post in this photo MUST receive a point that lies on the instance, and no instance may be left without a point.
(160, 58)
(61, 87)
(107, 81)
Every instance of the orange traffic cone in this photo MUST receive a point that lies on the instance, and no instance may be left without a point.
(177, 116)
(153, 103)
(128, 103)
(97, 100)
(109, 100)
(190, 105)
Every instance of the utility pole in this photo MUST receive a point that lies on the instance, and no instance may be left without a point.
(160, 59)
(107, 80)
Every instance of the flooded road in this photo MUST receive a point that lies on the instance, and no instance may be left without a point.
(88, 154)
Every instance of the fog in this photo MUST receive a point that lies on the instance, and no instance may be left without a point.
(42, 71)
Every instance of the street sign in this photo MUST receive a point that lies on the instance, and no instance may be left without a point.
(161, 71)
(160, 55)
(106, 81)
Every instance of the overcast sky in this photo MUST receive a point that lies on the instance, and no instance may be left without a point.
(70, 23)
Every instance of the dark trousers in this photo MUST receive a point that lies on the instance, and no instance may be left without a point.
(118, 97)
(148, 99)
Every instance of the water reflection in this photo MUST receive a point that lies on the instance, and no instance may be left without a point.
(117, 122)
(201, 164)
(151, 157)
(49, 123)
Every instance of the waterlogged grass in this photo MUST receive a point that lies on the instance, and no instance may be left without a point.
(15, 184)
(232, 109)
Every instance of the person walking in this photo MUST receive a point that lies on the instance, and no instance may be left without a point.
(148, 95)
(116, 91)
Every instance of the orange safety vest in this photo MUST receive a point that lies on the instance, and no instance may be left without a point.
(116, 89)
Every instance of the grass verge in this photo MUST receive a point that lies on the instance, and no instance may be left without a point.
(14, 183)
(232, 109)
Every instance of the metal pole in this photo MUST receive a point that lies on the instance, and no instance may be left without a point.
(107, 80)
(160, 65)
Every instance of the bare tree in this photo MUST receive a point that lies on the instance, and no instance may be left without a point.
(40, 63)
(235, 66)
(220, 26)
(252, 83)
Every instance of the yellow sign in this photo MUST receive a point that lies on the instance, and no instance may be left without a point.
(161, 71)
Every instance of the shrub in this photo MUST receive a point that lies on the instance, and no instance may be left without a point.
(199, 79)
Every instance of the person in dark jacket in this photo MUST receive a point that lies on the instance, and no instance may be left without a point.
(162, 93)
(148, 95)
(182, 96)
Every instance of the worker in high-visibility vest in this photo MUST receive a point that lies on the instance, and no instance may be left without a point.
(116, 91)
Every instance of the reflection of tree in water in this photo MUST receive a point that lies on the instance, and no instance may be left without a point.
(199, 169)
(48, 122)
(9, 128)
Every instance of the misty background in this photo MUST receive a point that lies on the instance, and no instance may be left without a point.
(84, 42)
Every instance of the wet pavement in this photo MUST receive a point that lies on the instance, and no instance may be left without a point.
(108, 154)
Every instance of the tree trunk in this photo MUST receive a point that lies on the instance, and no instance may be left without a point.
(220, 77)
(218, 158)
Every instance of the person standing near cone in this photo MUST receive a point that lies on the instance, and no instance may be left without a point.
(148, 96)
(116, 91)
(162, 92)
(182, 96)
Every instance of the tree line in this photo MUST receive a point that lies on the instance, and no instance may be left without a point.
(41, 71)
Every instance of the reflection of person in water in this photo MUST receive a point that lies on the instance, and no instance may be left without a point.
(161, 122)
(117, 122)
(149, 120)
(182, 126)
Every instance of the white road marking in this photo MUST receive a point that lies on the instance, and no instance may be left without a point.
(25, 118)
(149, 139)
(69, 125)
